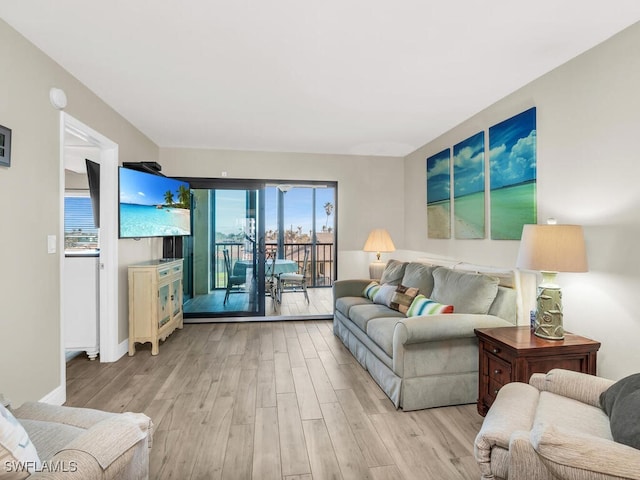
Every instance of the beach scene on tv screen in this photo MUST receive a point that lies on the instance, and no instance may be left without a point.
(152, 205)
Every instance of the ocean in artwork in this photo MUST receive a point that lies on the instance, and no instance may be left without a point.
(512, 207)
(151, 221)
(468, 190)
(469, 216)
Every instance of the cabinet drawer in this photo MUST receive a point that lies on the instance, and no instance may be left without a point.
(494, 387)
(498, 370)
(496, 351)
(164, 272)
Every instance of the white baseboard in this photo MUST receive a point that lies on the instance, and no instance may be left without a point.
(56, 397)
(123, 348)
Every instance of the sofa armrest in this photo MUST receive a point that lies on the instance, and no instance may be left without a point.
(578, 386)
(432, 328)
(74, 416)
(349, 288)
(568, 454)
(101, 447)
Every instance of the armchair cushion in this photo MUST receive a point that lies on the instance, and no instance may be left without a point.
(621, 402)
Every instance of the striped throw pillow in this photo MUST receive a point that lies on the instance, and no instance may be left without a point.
(422, 305)
(371, 290)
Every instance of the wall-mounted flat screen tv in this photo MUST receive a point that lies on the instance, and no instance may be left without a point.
(153, 205)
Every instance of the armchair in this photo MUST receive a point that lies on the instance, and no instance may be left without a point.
(82, 443)
(552, 428)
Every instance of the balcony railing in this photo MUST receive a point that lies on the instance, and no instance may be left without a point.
(320, 271)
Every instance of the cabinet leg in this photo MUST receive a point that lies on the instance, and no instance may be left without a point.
(132, 348)
(92, 354)
(154, 347)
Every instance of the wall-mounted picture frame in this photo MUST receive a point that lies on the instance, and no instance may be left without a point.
(438, 195)
(5, 146)
(512, 160)
(469, 188)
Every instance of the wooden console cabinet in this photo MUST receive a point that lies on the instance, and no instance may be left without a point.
(155, 301)
(513, 354)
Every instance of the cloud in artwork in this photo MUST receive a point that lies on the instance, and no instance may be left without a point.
(517, 165)
(468, 166)
(438, 177)
(440, 166)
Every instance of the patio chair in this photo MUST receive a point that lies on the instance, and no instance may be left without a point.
(232, 280)
(271, 281)
(292, 281)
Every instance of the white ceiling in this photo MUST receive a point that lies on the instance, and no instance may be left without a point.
(369, 77)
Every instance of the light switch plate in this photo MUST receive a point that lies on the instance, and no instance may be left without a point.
(51, 244)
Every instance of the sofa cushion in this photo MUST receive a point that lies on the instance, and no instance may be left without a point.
(621, 402)
(403, 298)
(420, 276)
(371, 290)
(393, 272)
(384, 295)
(15, 444)
(467, 292)
(380, 330)
(422, 305)
(344, 304)
(362, 314)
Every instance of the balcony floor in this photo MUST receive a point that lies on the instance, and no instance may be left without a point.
(293, 303)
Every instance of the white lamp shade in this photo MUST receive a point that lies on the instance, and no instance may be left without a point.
(552, 248)
(379, 240)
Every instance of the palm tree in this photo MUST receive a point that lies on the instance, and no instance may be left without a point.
(184, 196)
(328, 208)
(168, 197)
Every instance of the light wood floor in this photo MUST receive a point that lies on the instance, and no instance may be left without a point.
(273, 400)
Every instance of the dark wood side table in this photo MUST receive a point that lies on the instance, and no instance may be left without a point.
(513, 354)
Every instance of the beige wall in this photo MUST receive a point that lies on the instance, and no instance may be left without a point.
(588, 124)
(370, 189)
(587, 171)
(30, 283)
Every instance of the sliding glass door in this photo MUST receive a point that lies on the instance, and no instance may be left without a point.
(224, 253)
(243, 227)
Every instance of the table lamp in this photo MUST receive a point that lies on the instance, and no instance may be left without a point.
(550, 249)
(378, 241)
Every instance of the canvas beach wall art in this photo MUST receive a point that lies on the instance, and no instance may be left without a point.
(512, 160)
(439, 195)
(468, 188)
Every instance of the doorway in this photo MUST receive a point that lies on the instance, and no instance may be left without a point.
(76, 135)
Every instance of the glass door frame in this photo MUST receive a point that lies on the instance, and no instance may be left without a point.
(258, 186)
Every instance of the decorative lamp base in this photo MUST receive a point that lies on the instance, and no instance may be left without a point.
(548, 322)
(376, 269)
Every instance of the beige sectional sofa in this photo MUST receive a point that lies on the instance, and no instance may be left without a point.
(429, 360)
